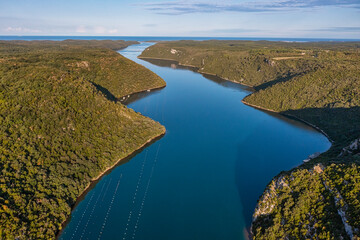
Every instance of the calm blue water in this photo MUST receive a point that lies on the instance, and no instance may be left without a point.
(203, 178)
(156, 38)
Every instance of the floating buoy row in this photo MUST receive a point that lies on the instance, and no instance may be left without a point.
(92, 210)
(107, 188)
(135, 195)
(140, 177)
(145, 194)
(109, 209)
(82, 216)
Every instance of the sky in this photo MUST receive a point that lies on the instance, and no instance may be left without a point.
(222, 18)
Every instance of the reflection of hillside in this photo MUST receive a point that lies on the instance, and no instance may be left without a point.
(213, 78)
(136, 96)
(341, 124)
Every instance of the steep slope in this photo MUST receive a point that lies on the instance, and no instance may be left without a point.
(58, 131)
(254, 63)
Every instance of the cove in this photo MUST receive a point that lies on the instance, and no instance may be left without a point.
(203, 178)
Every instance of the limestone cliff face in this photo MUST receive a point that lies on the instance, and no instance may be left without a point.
(268, 200)
(352, 149)
(309, 203)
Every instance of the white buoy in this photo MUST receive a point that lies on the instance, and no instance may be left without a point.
(82, 216)
(109, 209)
(145, 194)
(135, 193)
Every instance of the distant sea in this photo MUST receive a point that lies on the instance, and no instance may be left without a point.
(154, 38)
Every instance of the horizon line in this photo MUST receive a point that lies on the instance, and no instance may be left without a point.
(263, 37)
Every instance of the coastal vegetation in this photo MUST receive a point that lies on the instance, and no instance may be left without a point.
(251, 63)
(62, 127)
(317, 83)
(317, 203)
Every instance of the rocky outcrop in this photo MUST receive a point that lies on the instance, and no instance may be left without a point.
(352, 149)
(289, 209)
(312, 156)
(342, 208)
(267, 202)
(270, 62)
(174, 51)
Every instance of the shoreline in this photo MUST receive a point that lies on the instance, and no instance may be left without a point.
(196, 69)
(123, 99)
(95, 180)
(120, 161)
(290, 116)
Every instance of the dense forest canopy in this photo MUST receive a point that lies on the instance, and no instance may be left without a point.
(58, 128)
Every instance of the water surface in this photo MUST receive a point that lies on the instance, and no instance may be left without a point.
(203, 178)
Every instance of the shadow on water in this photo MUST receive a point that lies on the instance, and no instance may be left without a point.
(341, 124)
(164, 63)
(290, 120)
(137, 96)
(220, 81)
(226, 83)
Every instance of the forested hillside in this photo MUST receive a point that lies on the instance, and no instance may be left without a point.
(317, 83)
(59, 130)
(252, 63)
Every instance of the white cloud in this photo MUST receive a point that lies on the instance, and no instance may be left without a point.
(96, 30)
(81, 29)
(178, 7)
(21, 30)
(113, 31)
(13, 29)
(99, 30)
